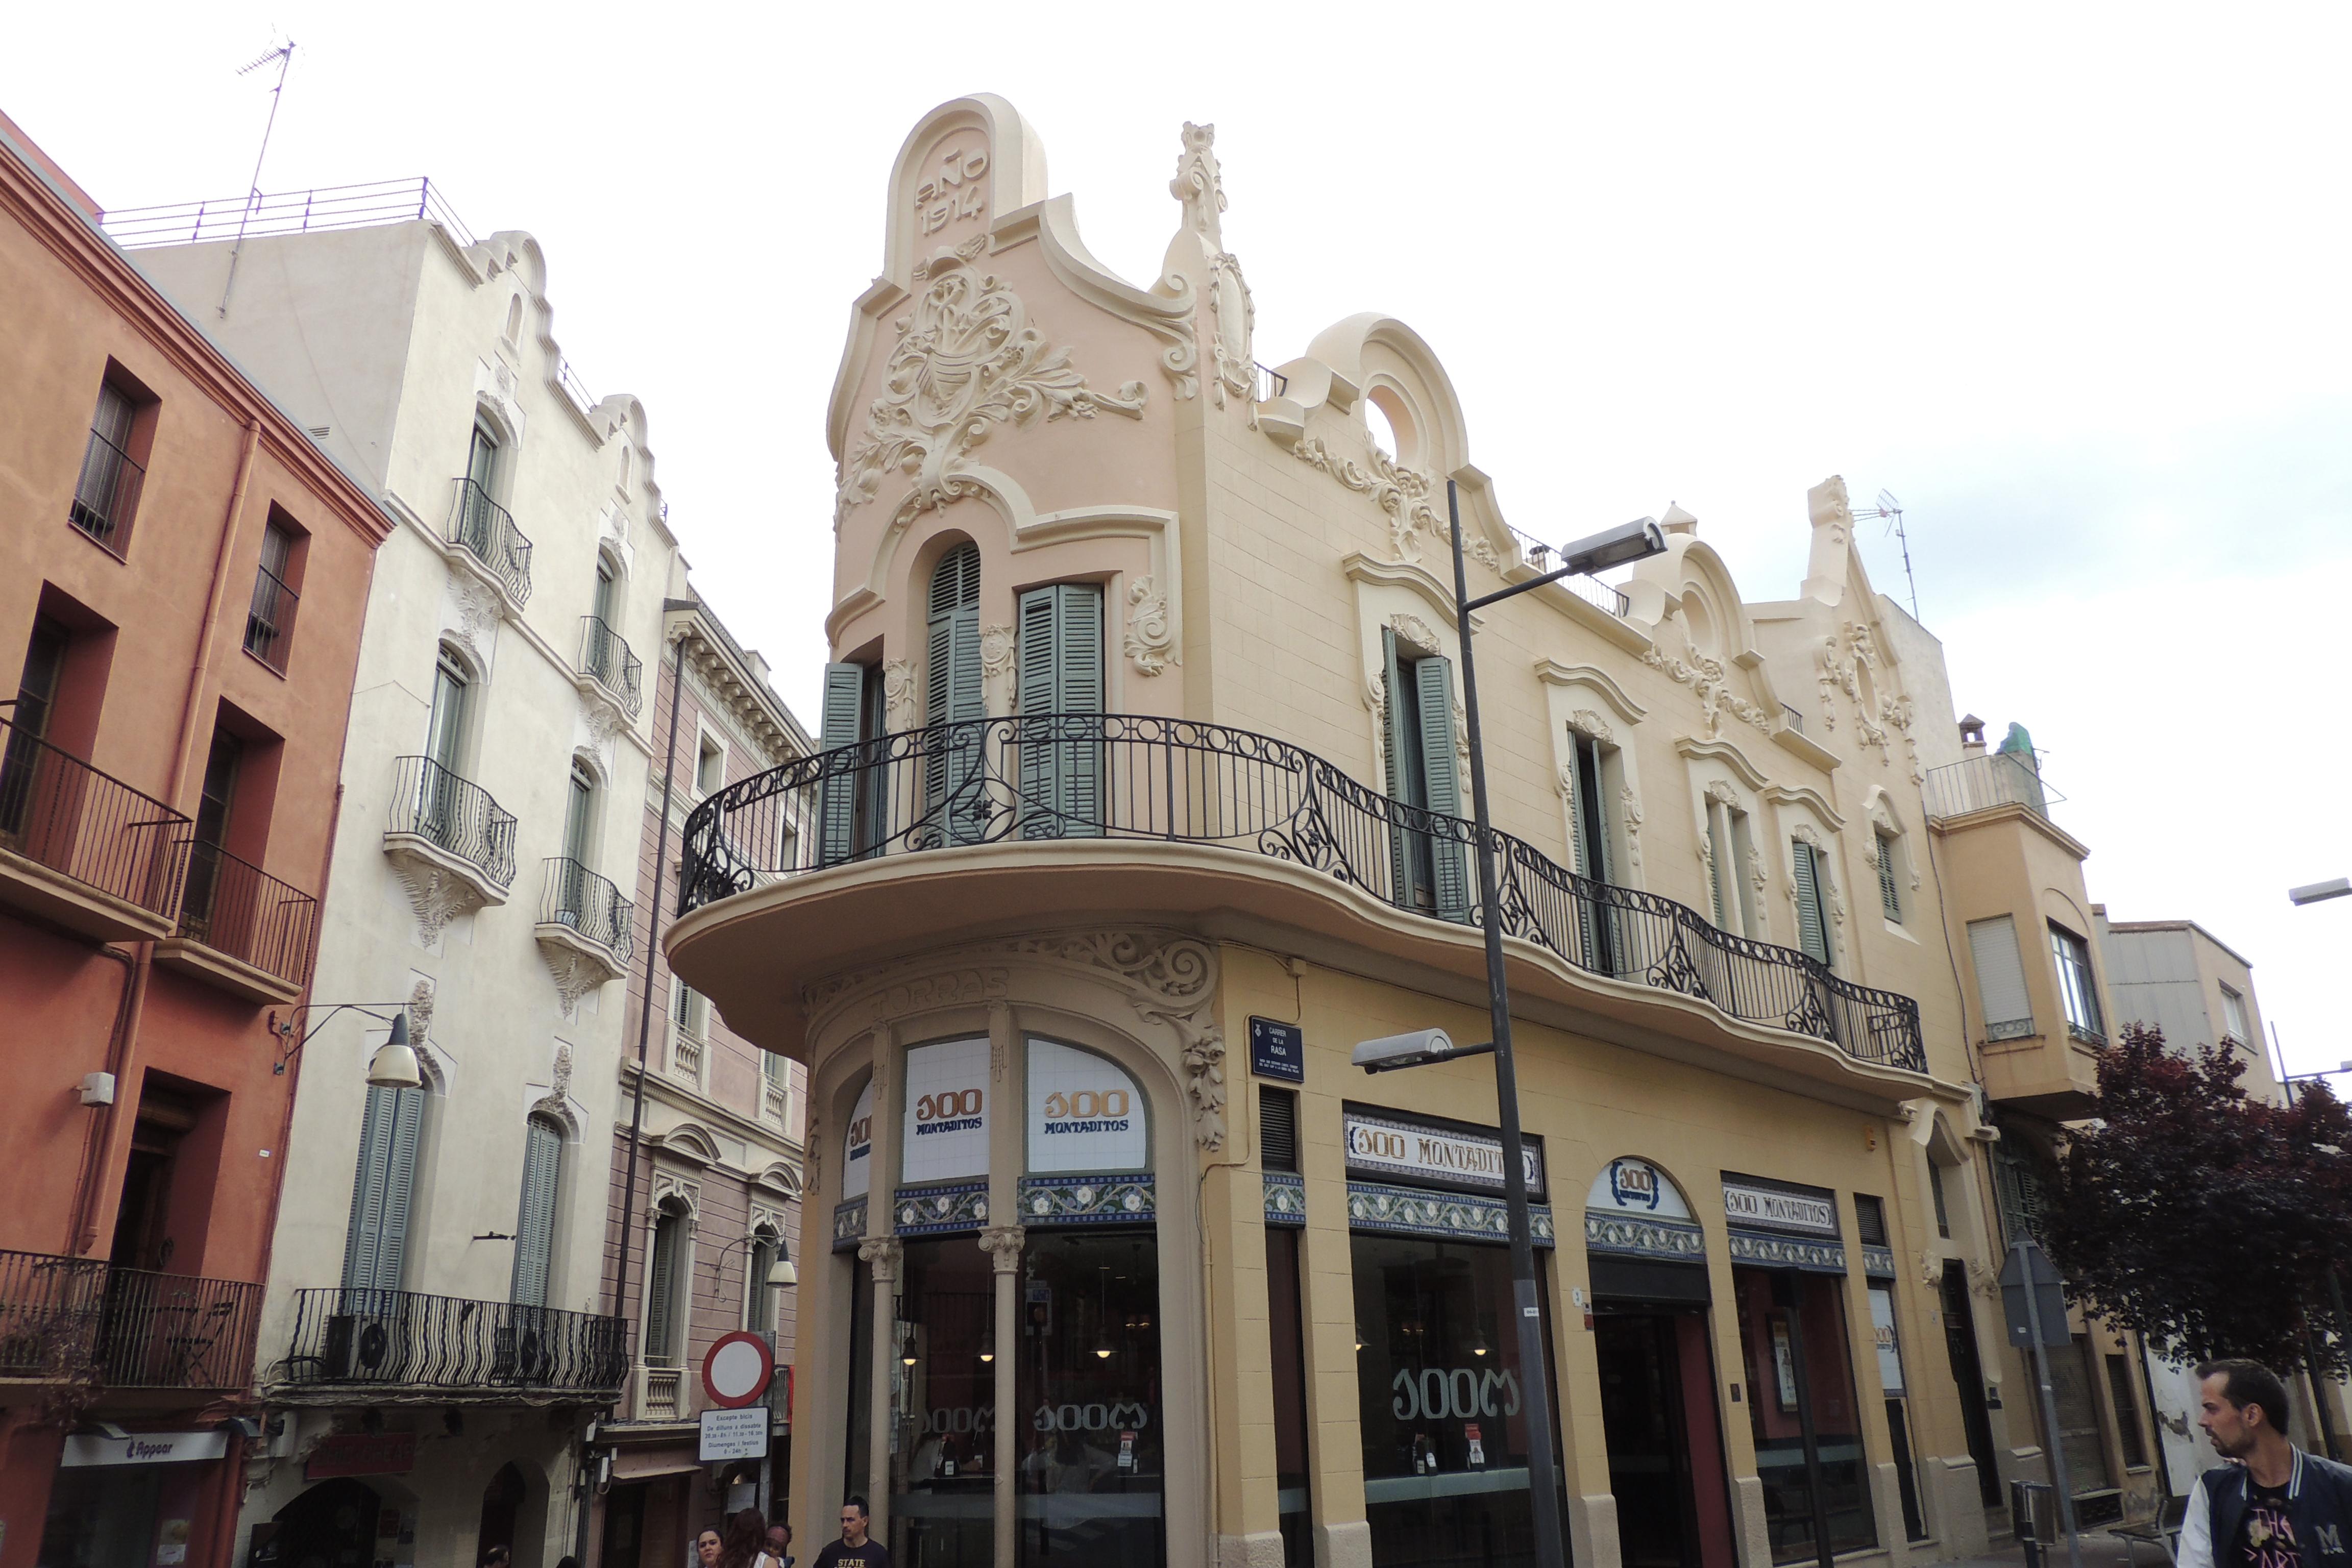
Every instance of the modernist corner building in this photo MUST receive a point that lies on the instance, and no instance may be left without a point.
(1140, 804)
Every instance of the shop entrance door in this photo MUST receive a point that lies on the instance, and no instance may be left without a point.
(1665, 1452)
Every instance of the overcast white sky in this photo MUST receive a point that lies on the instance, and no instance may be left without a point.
(2071, 281)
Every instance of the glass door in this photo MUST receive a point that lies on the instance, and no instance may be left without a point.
(943, 1445)
(1090, 1447)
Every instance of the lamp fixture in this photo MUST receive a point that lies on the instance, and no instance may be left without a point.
(394, 1064)
(782, 1272)
(1359, 1338)
(987, 1347)
(284, 1030)
(1478, 1345)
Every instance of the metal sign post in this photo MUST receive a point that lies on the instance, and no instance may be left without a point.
(2029, 1286)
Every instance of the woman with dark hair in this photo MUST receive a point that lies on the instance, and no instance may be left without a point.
(747, 1541)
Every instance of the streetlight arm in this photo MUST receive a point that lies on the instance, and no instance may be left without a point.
(286, 1030)
(1618, 546)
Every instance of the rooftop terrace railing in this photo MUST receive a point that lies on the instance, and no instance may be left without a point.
(1541, 558)
(1982, 782)
(286, 212)
(1128, 777)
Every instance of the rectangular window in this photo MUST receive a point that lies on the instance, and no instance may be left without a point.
(269, 620)
(1278, 1122)
(1812, 917)
(947, 1322)
(2233, 1018)
(2120, 1393)
(2000, 979)
(710, 767)
(1722, 876)
(376, 1245)
(851, 819)
(1429, 868)
(663, 1297)
(534, 1248)
(688, 1008)
(2077, 988)
(1890, 889)
(1870, 1220)
(106, 496)
(1592, 846)
(1935, 1190)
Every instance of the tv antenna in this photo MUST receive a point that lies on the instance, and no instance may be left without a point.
(1890, 509)
(284, 55)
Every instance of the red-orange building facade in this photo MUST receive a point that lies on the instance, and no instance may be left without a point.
(182, 574)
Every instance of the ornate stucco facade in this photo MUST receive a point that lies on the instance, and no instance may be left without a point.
(1143, 809)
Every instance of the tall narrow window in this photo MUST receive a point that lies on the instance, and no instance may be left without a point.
(2000, 978)
(1935, 1190)
(514, 320)
(2077, 988)
(1890, 888)
(2233, 1018)
(534, 1248)
(376, 1247)
(440, 809)
(851, 819)
(269, 622)
(688, 1008)
(1812, 913)
(1590, 847)
(955, 802)
(107, 494)
(37, 687)
(1723, 874)
(217, 794)
(579, 814)
(1061, 673)
(477, 517)
(664, 1302)
(1429, 868)
(2128, 1434)
(758, 1295)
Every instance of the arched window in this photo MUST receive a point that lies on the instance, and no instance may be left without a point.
(376, 1245)
(534, 1248)
(628, 467)
(453, 691)
(952, 695)
(608, 580)
(666, 1289)
(514, 320)
(579, 814)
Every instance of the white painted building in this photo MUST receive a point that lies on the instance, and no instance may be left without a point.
(435, 1332)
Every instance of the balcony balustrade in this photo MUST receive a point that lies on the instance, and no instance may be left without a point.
(392, 1341)
(486, 531)
(66, 1317)
(49, 1315)
(1059, 777)
(80, 848)
(1983, 782)
(454, 815)
(606, 660)
(589, 906)
(231, 909)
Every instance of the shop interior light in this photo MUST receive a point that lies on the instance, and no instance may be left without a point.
(1478, 1345)
(988, 1346)
(1102, 1346)
(1359, 1337)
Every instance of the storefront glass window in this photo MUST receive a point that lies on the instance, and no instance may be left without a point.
(1089, 1441)
(1443, 1408)
(856, 1463)
(942, 1455)
(1286, 1327)
(1793, 1340)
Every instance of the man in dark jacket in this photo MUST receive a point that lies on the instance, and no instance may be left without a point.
(2277, 1507)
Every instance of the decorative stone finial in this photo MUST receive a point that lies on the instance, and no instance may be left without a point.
(1200, 185)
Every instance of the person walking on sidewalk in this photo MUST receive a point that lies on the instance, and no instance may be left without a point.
(2277, 1507)
(855, 1549)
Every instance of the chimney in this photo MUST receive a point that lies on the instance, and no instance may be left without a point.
(1677, 521)
(1972, 742)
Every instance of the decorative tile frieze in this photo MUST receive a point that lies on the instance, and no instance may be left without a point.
(1115, 1199)
(935, 1211)
(1644, 1237)
(1879, 1262)
(1769, 1250)
(1456, 1217)
(848, 1224)
(1286, 1198)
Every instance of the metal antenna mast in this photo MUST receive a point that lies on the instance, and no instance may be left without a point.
(284, 55)
(1891, 509)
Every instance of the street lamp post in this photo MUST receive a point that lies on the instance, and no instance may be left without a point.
(1616, 547)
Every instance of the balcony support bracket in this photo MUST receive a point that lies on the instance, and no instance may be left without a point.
(441, 885)
(578, 964)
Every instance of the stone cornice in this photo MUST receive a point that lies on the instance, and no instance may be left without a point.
(53, 222)
(677, 1097)
(749, 701)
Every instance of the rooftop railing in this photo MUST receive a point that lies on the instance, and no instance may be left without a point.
(57, 810)
(1128, 777)
(1982, 782)
(400, 1340)
(605, 659)
(233, 905)
(1542, 558)
(576, 897)
(454, 815)
(286, 212)
(486, 530)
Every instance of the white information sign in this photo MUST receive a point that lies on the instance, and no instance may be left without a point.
(1882, 1330)
(947, 1111)
(1782, 1210)
(1636, 1186)
(735, 1434)
(1085, 1112)
(145, 1448)
(1393, 1146)
(858, 1154)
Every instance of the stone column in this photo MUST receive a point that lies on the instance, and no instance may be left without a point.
(1003, 1243)
(881, 1252)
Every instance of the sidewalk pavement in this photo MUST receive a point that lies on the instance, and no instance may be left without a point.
(2100, 1549)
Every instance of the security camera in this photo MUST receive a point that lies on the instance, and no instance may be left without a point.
(1417, 1048)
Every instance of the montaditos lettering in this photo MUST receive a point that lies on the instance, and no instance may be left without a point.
(949, 1110)
(1086, 1110)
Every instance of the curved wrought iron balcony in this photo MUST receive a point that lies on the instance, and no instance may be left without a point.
(1094, 776)
(486, 531)
(605, 659)
(400, 1341)
(454, 815)
(581, 902)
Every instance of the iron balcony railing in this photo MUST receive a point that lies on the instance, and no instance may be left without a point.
(285, 212)
(454, 815)
(107, 494)
(1541, 558)
(48, 1313)
(605, 659)
(269, 623)
(1139, 777)
(176, 1330)
(486, 531)
(57, 809)
(393, 1339)
(589, 904)
(1993, 778)
(233, 905)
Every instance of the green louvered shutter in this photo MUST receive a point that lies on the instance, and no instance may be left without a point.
(383, 1189)
(1890, 889)
(1397, 751)
(1588, 843)
(1718, 864)
(542, 1163)
(844, 699)
(952, 695)
(661, 1289)
(1061, 671)
(1812, 930)
(1449, 859)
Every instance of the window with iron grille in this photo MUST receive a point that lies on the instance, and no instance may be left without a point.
(107, 493)
(269, 620)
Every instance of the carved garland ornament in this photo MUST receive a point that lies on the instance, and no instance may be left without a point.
(1629, 811)
(1706, 677)
(996, 668)
(898, 693)
(1403, 493)
(966, 361)
(1150, 641)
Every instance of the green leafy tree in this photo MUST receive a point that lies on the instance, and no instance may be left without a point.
(2203, 1219)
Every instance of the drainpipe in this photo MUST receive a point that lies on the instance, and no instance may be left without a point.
(180, 757)
(80, 1233)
